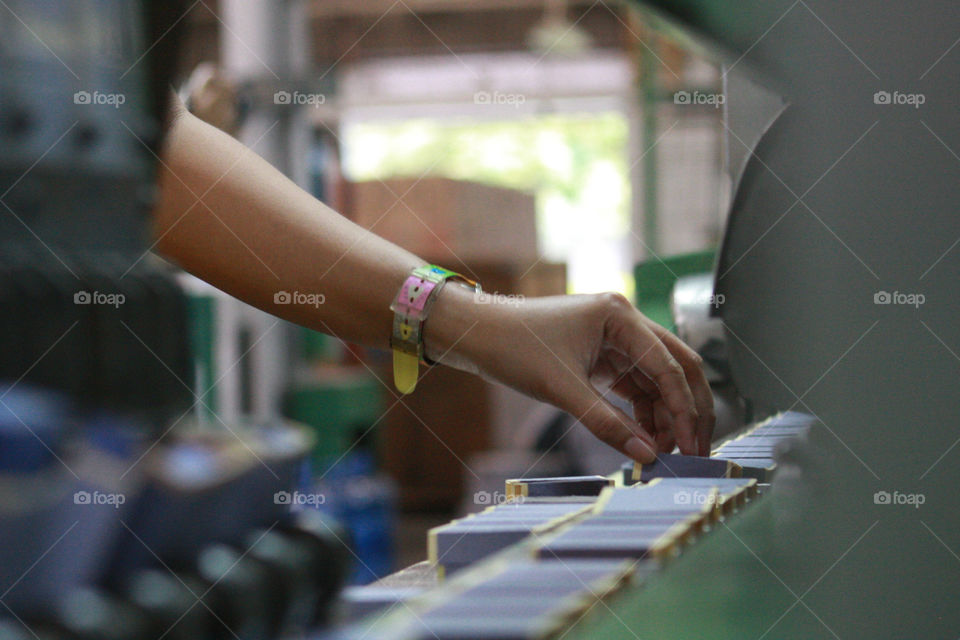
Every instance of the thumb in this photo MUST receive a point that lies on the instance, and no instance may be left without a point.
(611, 425)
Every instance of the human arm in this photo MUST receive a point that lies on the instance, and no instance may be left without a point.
(228, 217)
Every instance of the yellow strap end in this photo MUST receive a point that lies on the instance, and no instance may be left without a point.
(406, 370)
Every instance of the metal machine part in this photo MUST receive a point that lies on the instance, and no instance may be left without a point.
(82, 101)
(838, 272)
(825, 211)
(695, 306)
(692, 303)
(78, 108)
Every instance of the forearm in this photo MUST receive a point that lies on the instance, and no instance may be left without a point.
(228, 217)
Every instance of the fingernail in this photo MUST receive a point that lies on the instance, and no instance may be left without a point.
(640, 450)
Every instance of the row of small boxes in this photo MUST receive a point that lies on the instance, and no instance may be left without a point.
(621, 539)
(523, 599)
(750, 455)
(534, 506)
(755, 451)
(463, 542)
(656, 519)
(571, 525)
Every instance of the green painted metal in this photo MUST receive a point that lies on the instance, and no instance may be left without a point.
(654, 280)
(337, 410)
(201, 313)
(650, 99)
(719, 588)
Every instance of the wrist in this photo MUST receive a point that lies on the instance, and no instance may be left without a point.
(453, 334)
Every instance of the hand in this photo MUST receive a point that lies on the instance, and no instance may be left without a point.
(567, 350)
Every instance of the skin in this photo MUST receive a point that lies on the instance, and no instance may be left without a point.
(228, 217)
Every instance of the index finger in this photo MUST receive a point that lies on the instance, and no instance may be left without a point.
(692, 365)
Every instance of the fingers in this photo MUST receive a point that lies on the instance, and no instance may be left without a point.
(648, 409)
(641, 402)
(692, 365)
(665, 436)
(608, 423)
(627, 332)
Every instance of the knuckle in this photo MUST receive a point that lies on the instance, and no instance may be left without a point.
(614, 300)
(674, 368)
(695, 358)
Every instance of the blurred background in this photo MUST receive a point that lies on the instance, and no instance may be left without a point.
(175, 463)
(539, 146)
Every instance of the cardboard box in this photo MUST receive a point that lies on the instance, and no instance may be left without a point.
(453, 222)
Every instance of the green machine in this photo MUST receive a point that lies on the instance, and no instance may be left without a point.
(654, 280)
(838, 272)
(340, 403)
